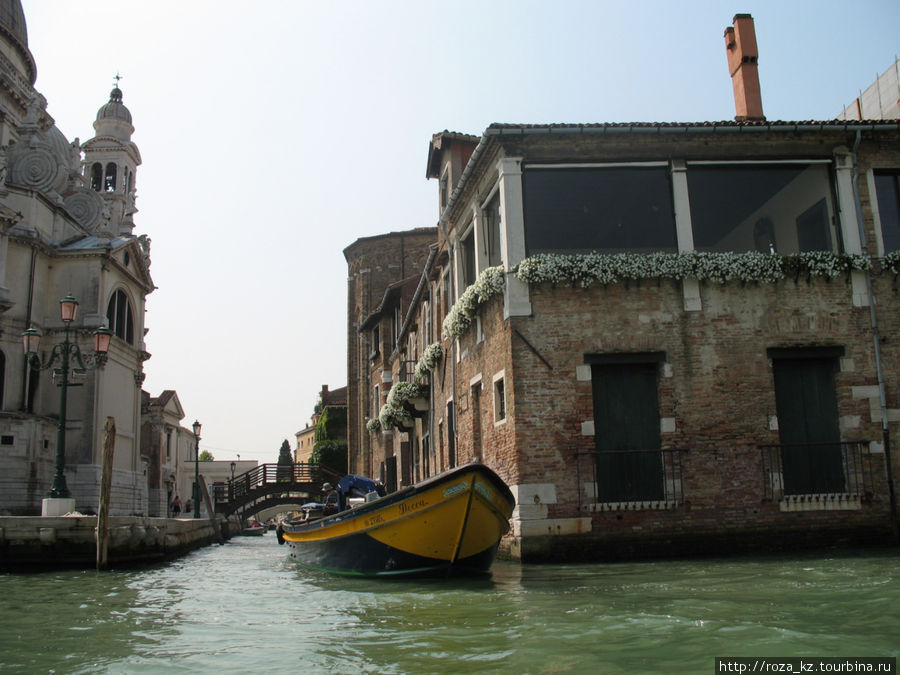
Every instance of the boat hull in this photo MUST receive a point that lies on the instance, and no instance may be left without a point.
(450, 524)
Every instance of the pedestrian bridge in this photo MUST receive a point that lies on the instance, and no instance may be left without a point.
(270, 485)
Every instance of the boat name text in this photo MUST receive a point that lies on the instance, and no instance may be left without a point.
(412, 506)
(374, 520)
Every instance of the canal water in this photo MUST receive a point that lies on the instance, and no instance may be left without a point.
(245, 607)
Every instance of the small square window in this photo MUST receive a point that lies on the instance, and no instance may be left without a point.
(7, 439)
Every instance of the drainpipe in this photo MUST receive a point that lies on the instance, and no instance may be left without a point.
(873, 319)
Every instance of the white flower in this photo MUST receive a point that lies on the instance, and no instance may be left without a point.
(489, 283)
(891, 262)
(715, 267)
(431, 356)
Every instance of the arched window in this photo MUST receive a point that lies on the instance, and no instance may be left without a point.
(96, 176)
(121, 320)
(110, 183)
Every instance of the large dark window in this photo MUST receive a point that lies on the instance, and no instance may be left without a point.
(806, 402)
(887, 190)
(609, 210)
(96, 176)
(109, 182)
(772, 207)
(120, 318)
(626, 432)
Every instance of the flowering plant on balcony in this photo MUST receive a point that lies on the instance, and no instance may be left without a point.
(891, 262)
(748, 267)
(373, 425)
(391, 416)
(393, 413)
(489, 283)
(430, 358)
(401, 392)
(826, 264)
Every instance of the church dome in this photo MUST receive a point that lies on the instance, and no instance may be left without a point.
(13, 29)
(13, 19)
(114, 109)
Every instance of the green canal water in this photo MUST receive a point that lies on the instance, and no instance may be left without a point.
(245, 607)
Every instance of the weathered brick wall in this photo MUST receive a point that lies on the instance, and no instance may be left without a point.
(372, 265)
(716, 386)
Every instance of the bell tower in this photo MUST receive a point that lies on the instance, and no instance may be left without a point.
(110, 162)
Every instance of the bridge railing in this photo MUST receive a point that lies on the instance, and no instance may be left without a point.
(265, 477)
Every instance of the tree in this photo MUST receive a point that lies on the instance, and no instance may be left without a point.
(330, 454)
(285, 463)
(284, 454)
(206, 456)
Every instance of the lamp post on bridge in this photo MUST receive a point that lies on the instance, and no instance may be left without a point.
(196, 427)
(69, 354)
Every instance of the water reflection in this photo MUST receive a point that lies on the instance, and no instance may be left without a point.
(246, 607)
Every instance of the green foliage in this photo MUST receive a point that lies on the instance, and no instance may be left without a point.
(331, 454)
(206, 456)
(331, 424)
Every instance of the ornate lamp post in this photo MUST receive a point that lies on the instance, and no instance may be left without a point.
(196, 426)
(231, 484)
(67, 353)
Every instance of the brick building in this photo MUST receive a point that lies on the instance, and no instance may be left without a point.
(667, 338)
(373, 264)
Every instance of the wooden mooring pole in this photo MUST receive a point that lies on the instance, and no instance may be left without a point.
(106, 464)
(213, 518)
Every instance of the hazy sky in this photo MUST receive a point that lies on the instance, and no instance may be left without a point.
(276, 133)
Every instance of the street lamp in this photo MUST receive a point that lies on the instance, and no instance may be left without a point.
(196, 426)
(67, 352)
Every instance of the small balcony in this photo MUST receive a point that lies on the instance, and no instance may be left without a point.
(630, 480)
(817, 476)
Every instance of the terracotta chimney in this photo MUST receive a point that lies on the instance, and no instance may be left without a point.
(743, 54)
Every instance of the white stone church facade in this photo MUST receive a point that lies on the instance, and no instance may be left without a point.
(66, 227)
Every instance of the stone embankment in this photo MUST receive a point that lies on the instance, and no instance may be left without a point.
(34, 542)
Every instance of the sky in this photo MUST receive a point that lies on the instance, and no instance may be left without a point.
(276, 133)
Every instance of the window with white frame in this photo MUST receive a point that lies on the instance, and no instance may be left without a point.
(467, 263)
(120, 317)
(609, 209)
(376, 402)
(490, 226)
(499, 397)
(445, 187)
(887, 192)
(784, 207)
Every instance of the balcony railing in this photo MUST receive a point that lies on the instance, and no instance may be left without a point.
(613, 480)
(794, 470)
(408, 373)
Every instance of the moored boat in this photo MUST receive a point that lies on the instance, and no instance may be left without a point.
(449, 524)
(254, 530)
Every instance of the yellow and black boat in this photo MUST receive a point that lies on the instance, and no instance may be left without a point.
(449, 524)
